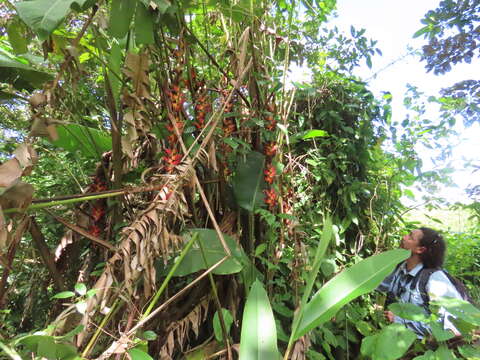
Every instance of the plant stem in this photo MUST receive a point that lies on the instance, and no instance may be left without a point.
(169, 276)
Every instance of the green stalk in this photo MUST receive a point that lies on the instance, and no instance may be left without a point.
(169, 276)
(64, 202)
(219, 305)
(321, 248)
(106, 319)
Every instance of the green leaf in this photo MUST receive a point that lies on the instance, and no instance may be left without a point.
(248, 182)
(409, 311)
(444, 353)
(320, 252)
(429, 355)
(469, 351)
(65, 351)
(16, 71)
(214, 252)
(91, 142)
(357, 280)
(44, 16)
(217, 328)
(389, 344)
(114, 70)
(17, 38)
(459, 308)
(81, 307)
(47, 347)
(260, 249)
(143, 25)
(137, 354)
(81, 289)
(149, 335)
(258, 340)
(121, 13)
(314, 133)
(10, 351)
(63, 295)
(440, 333)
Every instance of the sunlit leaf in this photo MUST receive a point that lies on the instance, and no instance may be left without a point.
(217, 328)
(137, 354)
(44, 16)
(63, 295)
(389, 344)
(259, 334)
(214, 252)
(357, 280)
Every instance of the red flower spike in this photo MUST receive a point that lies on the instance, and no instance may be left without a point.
(270, 149)
(97, 213)
(269, 174)
(95, 230)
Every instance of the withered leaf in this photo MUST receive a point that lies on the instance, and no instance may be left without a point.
(136, 67)
(10, 173)
(27, 157)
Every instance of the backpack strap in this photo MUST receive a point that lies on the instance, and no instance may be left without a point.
(421, 279)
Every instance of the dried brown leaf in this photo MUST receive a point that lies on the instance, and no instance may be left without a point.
(136, 68)
(243, 42)
(27, 157)
(10, 173)
(17, 196)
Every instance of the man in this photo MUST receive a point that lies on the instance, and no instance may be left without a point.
(427, 251)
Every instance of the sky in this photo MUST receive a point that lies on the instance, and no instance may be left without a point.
(393, 24)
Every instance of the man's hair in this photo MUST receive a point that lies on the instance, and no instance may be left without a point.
(435, 247)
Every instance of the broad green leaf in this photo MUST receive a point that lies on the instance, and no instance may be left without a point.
(90, 142)
(440, 333)
(258, 340)
(63, 295)
(114, 70)
(469, 351)
(357, 280)
(248, 182)
(214, 252)
(121, 13)
(143, 25)
(65, 351)
(137, 354)
(389, 344)
(217, 327)
(444, 353)
(320, 251)
(16, 71)
(44, 16)
(149, 335)
(17, 38)
(314, 133)
(81, 289)
(459, 308)
(47, 348)
(429, 355)
(409, 311)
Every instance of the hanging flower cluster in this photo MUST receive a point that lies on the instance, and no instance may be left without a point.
(97, 211)
(176, 99)
(229, 127)
(202, 103)
(270, 150)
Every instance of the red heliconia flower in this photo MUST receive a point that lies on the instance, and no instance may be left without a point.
(269, 174)
(270, 149)
(270, 198)
(97, 213)
(172, 159)
(95, 230)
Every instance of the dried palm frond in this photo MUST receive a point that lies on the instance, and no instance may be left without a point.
(179, 331)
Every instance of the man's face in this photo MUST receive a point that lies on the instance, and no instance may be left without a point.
(412, 242)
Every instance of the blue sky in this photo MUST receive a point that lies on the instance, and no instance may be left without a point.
(393, 24)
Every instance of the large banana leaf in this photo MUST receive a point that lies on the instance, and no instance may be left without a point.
(248, 183)
(357, 280)
(16, 71)
(90, 142)
(259, 333)
(43, 16)
(214, 252)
